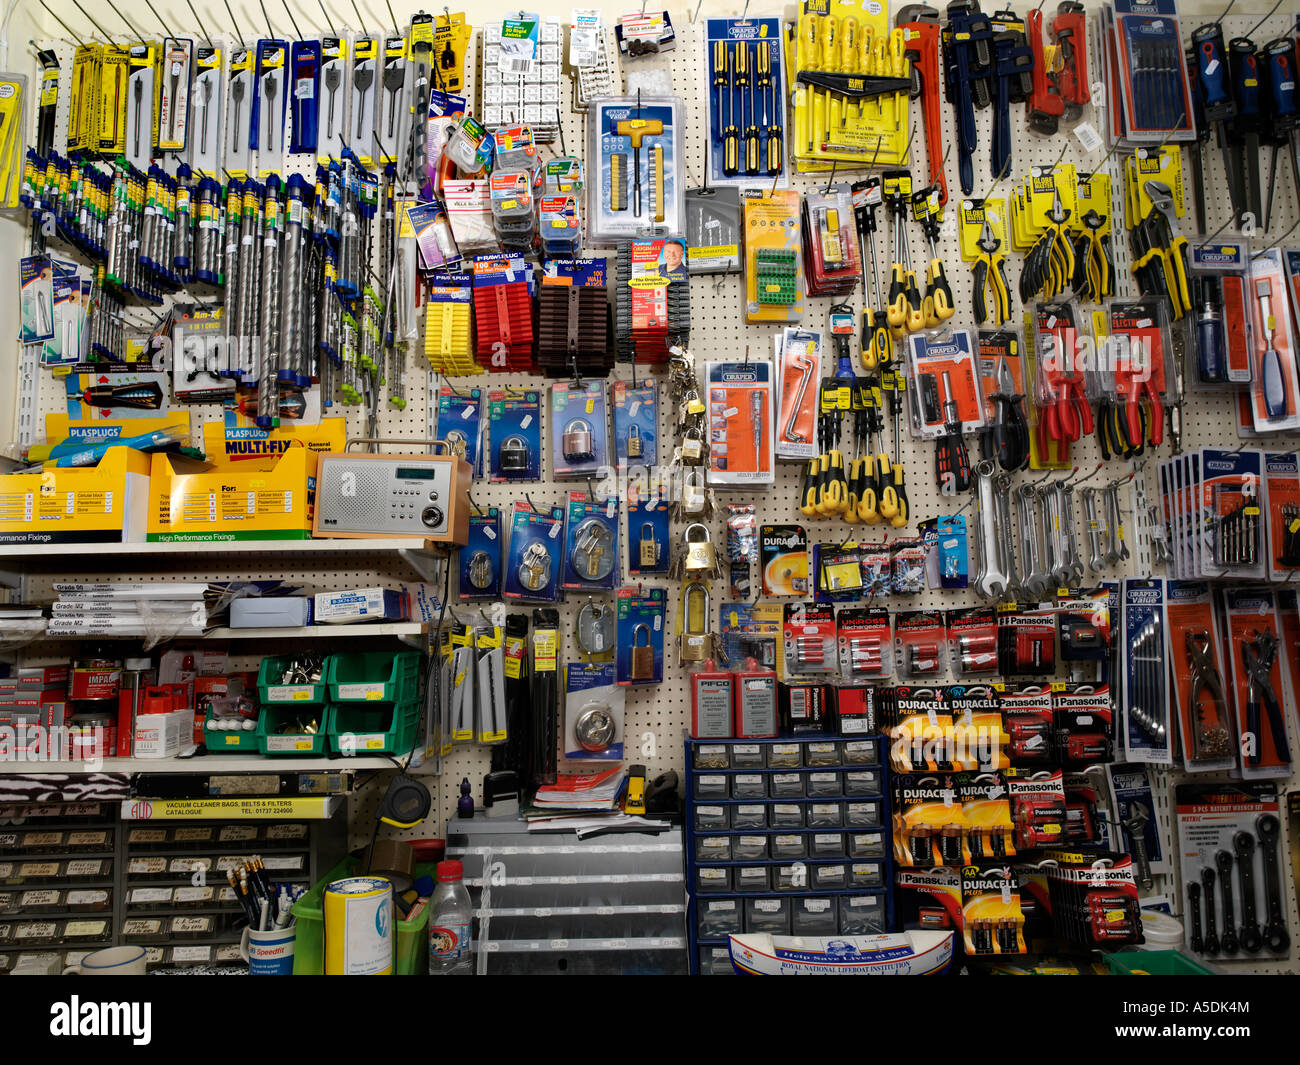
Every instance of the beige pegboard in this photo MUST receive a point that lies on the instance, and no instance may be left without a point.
(657, 716)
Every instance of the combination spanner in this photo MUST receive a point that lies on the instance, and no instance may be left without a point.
(1276, 937)
(992, 580)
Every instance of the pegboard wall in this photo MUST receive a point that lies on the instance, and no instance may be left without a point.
(657, 716)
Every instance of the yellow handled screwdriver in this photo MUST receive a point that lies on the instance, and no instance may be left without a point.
(730, 133)
(744, 84)
(771, 128)
(938, 306)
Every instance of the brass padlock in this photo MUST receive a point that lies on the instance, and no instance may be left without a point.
(576, 442)
(701, 557)
(695, 638)
(643, 655)
(535, 567)
(634, 446)
(649, 546)
(481, 570)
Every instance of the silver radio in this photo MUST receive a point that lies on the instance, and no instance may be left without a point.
(393, 495)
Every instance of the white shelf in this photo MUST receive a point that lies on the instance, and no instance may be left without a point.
(211, 763)
(306, 632)
(89, 553)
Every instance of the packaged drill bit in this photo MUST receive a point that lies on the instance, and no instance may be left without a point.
(713, 230)
(270, 105)
(305, 67)
(393, 126)
(172, 93)
(49, 102)
(206, 129)
(366, 76)
(240, 109)
(637, 190)
(332, 113)
(142, 73)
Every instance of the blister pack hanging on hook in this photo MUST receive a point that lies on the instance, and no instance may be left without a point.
(536, 546)
(480, 558)
(591, 547)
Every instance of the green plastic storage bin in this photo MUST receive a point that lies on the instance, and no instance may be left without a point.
(411, 948)
(374, 677)
(374, 728)
(230, 742)
(271, 742)
(270, 692)
(1154, 963)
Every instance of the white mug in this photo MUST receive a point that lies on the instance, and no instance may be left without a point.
(268, 953)
(111, 961)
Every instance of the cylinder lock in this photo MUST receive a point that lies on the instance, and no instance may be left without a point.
(695, 638)
(643, 655)
(513, 456)
(576, 442)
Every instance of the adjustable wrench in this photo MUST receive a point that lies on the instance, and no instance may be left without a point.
(1135, 825)
(1211, 932)
(992, 580)
(1243, 845)
(1276, 937)
(1228, 941)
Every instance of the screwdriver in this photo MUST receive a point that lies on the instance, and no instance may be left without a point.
(869, 492)
(772, 131)
(720, 84)
(827, 35)
(746, 92)
(952, 462)
(876, 347)
(937, 306)
(896, 313)
(730, 134)
(1209, 334)
(899, 519)
(884, 466)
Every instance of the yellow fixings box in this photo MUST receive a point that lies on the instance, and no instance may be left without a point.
(102, 504)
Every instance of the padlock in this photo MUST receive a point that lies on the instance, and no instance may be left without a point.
(592, 557)
(595, 628)
(634, 447)
(649, 546)
(695, 499)
(535, 567)
(480, 570)
(643, 655)
(701, 558)
(576, 442)
(695, 638)
(513, 456)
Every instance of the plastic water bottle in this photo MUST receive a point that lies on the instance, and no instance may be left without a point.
(451, 917)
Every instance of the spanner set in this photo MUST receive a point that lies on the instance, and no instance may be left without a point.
(1232, 849)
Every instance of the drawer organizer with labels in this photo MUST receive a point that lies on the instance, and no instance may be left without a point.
(787, 836)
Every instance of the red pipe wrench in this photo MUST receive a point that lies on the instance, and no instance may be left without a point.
(921, 31)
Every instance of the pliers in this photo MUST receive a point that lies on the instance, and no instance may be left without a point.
(990, 272)
(1010, 432)
(1259, 655)
(1160, 251)
(1093, 272)
(1208, 741)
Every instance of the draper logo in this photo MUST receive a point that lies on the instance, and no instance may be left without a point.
(120, 1019)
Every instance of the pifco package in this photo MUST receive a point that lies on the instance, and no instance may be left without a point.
(783, 559)
(1230, 854)
(591, 543)
(1261, 688)
(593, 714)
(641, 629)
(636, 423)
(992, 923)
(740, 423)
(756, 713)
(1275, 386)
(773, 264)
(536, 544)
(638, 187)
(712, 702)
(515, 435)
(480, 558)
(1198, 668)
(460, 422)
(1145, 725)
(579, 439)
(986, 813)
(1282, 507)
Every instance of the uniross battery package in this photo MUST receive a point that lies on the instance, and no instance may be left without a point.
(637, 190)
(713, 230)
(740, 413)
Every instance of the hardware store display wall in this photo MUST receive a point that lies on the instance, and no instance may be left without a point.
(657, 716)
